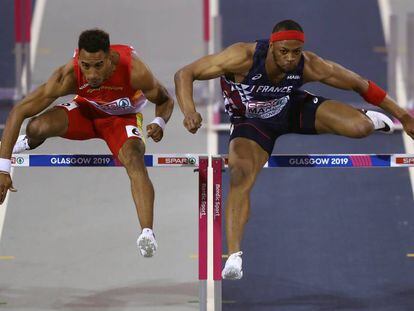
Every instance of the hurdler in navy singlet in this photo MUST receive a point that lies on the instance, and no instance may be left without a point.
(262, 111)
(256, 96)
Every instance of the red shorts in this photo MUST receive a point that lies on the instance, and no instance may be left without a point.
(87, 122)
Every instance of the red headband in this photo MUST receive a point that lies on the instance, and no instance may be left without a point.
(287, 35)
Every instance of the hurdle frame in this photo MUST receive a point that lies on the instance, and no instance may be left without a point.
(22, 42)
(192, 160)
(203, 231)
(210, 193)
(217, 167)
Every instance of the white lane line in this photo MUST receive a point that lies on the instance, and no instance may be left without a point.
(385, 11)
(409, 148)
(37, 19)
(38, 12)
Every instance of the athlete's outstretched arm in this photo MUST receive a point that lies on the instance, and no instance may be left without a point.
(235, 59)
(143, 79)
(62, 82)
(335, 75)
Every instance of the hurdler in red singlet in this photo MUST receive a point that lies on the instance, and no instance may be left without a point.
(112, 85)
(111, 111)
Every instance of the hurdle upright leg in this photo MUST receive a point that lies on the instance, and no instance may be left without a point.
(217, 166)
(202, 231)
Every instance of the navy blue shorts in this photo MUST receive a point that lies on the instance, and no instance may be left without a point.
(297, 117)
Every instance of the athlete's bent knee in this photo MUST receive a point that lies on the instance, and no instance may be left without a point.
(361, 128)
(132, 156)
(36, 129)
(241, 174)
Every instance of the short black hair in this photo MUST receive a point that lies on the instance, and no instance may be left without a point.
(287, 24)
(94, 40)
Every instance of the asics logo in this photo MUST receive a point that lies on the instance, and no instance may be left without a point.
(257, 77)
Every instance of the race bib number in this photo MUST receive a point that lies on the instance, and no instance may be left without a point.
(266, 109)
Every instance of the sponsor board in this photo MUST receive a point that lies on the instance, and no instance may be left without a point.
(176, 160)
(20, 160)
(402, 160)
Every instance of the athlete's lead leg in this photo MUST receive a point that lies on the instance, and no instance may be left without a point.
(246, 159)
(131, 156)
(342, 119)
(51, 123)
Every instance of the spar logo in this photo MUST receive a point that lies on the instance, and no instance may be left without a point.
(404, 160)
(177, 160)
(18, 160)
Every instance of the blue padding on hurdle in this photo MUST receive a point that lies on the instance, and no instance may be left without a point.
(381, 160)
(71, 160)
(89, 160)
(149, 160)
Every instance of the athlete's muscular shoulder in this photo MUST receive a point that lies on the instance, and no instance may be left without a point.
(143, 79)
(235, 59)
(141, 76)
(331, 73)
(62, 82)
(316, 68)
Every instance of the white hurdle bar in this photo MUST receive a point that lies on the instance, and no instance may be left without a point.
(210, 191)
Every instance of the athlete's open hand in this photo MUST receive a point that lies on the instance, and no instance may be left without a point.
(6, 184)
(408, 125)
(155, 132)
(192, 121)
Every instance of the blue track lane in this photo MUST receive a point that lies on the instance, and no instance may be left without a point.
(328, 239)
